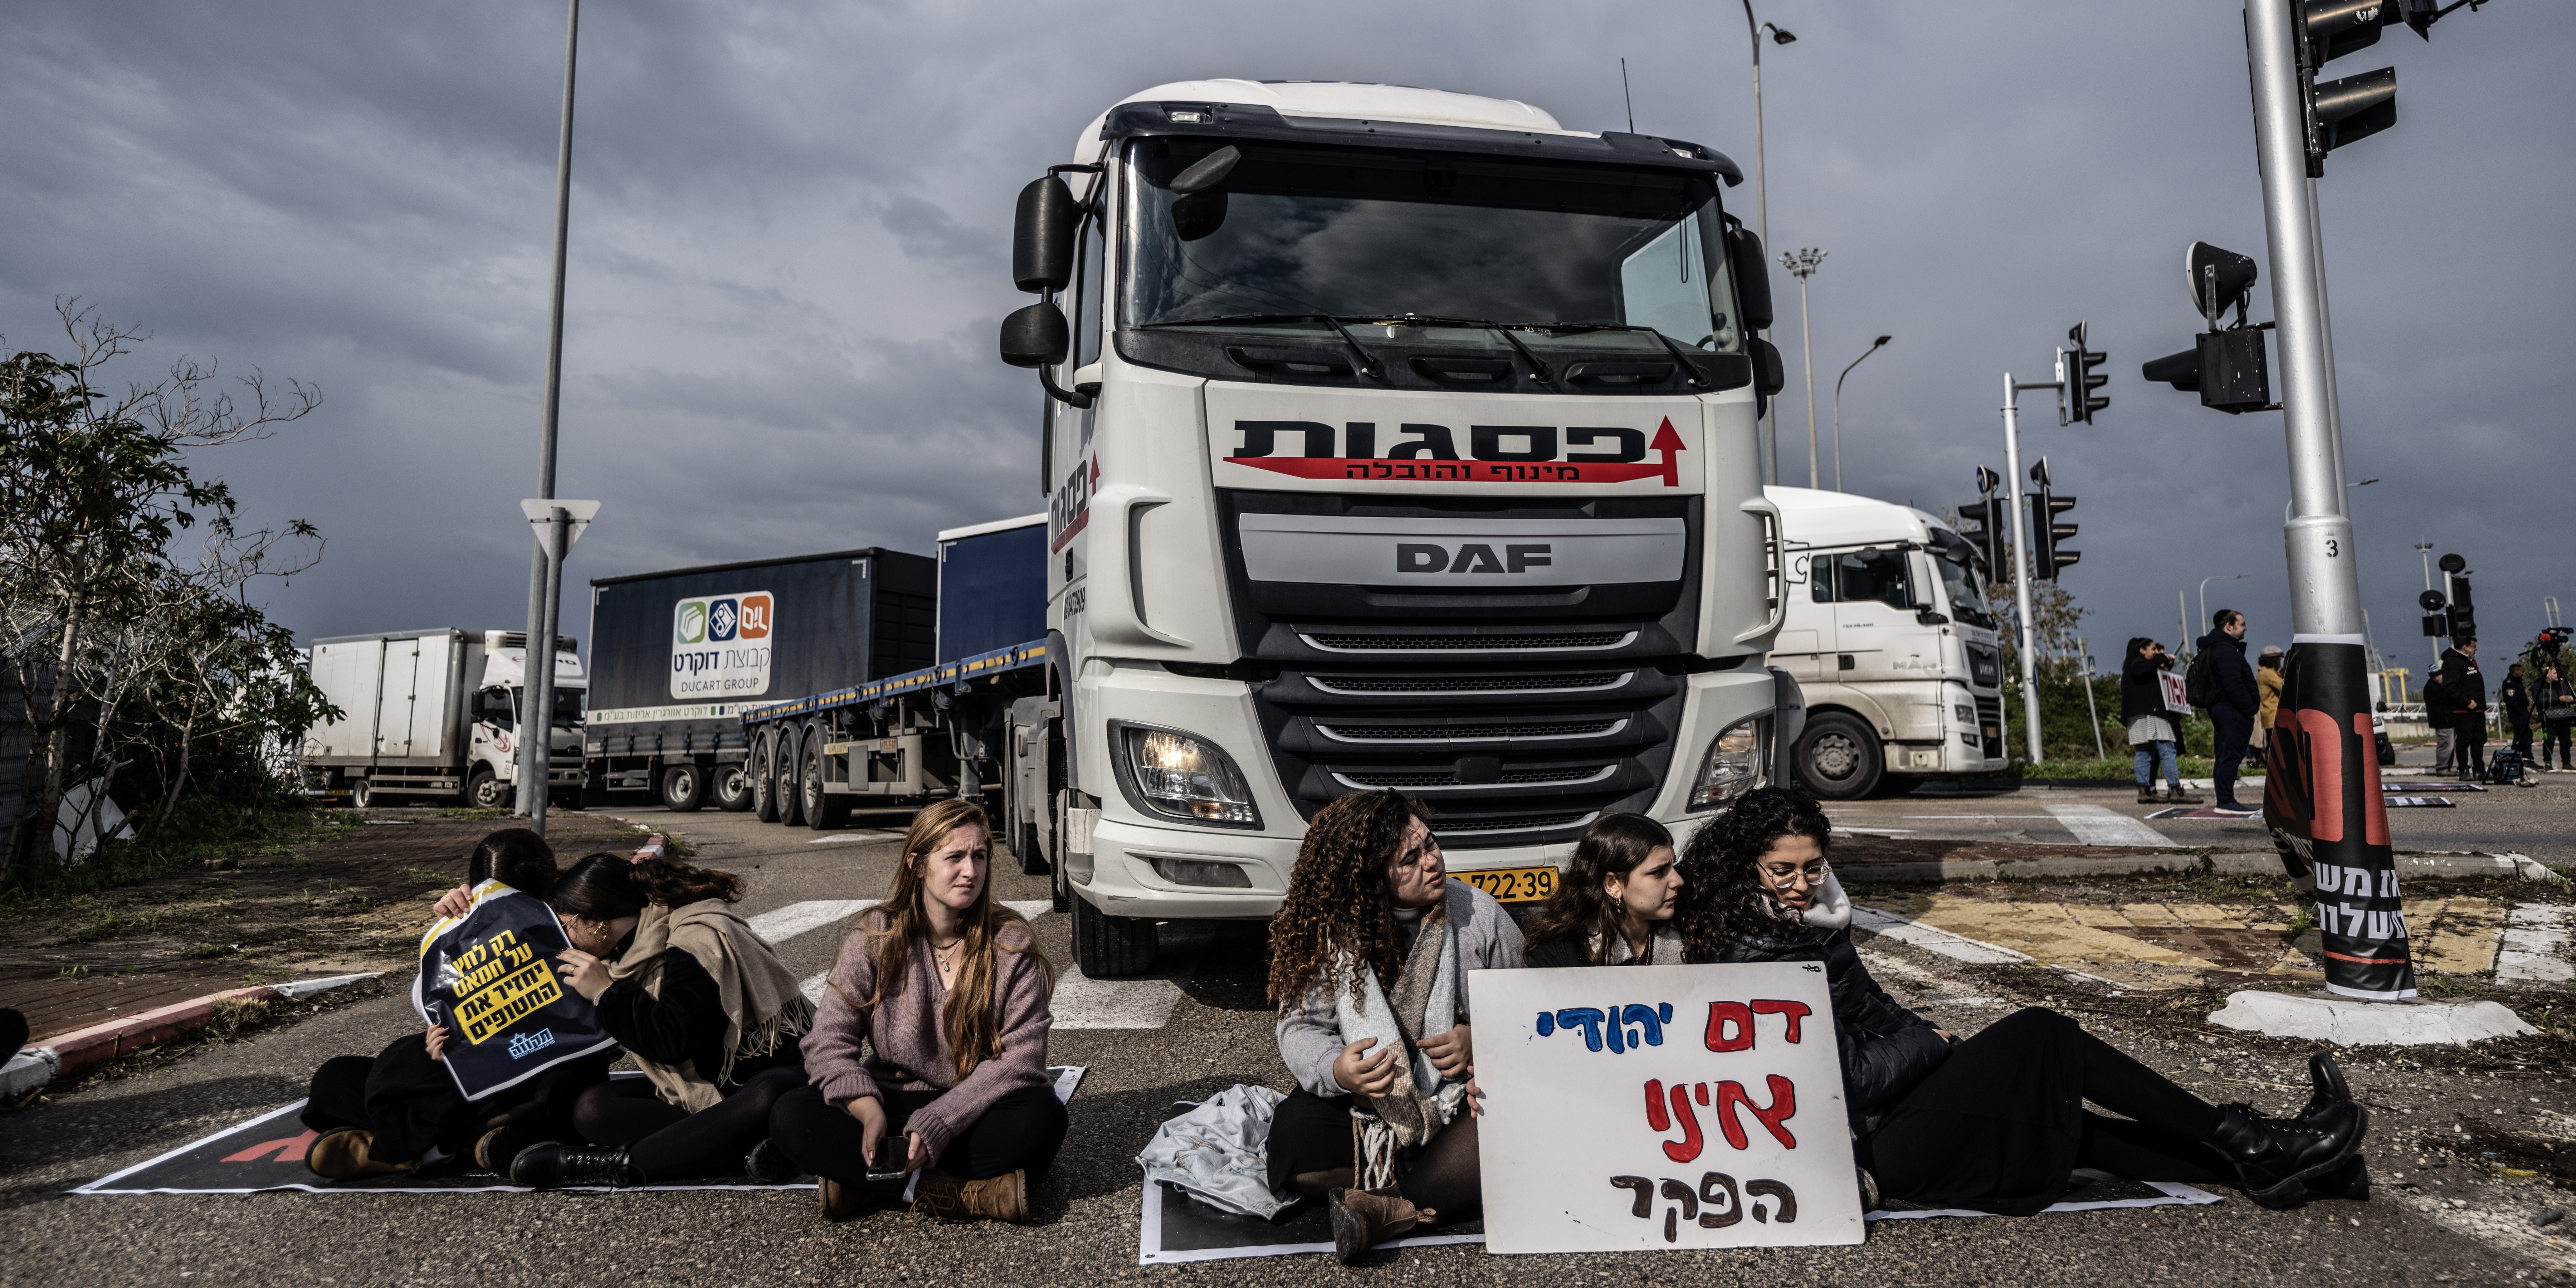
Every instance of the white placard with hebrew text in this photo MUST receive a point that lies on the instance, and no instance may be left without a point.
(1631, 1108)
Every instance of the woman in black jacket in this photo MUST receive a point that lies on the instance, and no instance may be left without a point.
(1997, 1122)
(2151, 726)
(1614, 906)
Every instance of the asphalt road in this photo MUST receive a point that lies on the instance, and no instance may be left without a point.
(2448, 1224)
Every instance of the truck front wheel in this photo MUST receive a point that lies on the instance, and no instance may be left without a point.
(731, 786)
(1839, 757)
(1108, 947)
(485, 790)
(684, 788)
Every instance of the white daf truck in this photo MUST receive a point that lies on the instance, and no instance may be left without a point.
(1393, 438)
(1891, 642)
(437, 713)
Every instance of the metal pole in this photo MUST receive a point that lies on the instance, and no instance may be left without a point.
(1874, 347)
(2084, 651)
(1762, 229)
(2021, 568)
(539, 614)
(2182, 622)
(537, 721)
(1807, 349)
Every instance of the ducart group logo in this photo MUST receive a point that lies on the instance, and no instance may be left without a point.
(720, 645)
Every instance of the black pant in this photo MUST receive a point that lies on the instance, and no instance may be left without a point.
(1020, 1131)
(666, 1141)
(2001, 1124)
(2469, 738)
(2521, 736)
(2558, 734)
(2232, 729)
(1312, 1134)
(411, 1104)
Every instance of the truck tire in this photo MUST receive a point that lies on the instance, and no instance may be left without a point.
(823, 811)
(1108, 947)
(684, 787)
(362, 794)
(760, 771)
(485, 790)
(787, 777)
(1839, 758)
(730, 786)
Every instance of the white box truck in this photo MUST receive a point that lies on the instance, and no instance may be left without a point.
(1891, 642)
(437, 713)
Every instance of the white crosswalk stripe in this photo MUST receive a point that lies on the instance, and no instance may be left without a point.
(778, 925)
(2097, 825)
(2535, 946)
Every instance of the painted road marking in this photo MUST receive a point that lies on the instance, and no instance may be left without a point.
(2535, 946)
(863, 834)
(1956, 947)
(2096, 825)
(778, 925)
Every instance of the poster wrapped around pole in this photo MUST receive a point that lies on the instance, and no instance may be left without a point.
(2322, 803)
(489, 978)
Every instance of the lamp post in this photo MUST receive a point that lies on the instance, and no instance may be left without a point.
(1762, 205)
(2204, 591)
(542, 605)
(1803, 265)
(1874, 346)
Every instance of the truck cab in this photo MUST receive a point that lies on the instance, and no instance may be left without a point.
(1394, 439)
(1891, 641)
(498, 713)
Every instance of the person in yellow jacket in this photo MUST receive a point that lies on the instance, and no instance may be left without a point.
(2267, 681)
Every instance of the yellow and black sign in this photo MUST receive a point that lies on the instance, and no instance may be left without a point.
(489, 978)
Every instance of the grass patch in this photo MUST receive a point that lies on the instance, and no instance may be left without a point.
(234, 1016)
(199, 830)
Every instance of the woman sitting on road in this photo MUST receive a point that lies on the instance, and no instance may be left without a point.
(1996, 1123)
(949, 991)
(1369, 955)
(704, 1006)
(399, 1109)
(1615, 904)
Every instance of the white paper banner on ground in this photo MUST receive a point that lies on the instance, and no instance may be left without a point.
(1662, 1107)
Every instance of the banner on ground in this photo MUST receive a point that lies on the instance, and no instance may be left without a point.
(2322, 802)
(489, 978)
(1662, 1107)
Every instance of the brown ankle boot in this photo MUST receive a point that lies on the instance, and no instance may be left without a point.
(342, 1156)
(841, 1202)
(1363, 1219)
(1002, 1198)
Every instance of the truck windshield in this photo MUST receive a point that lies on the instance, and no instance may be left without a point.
(568, 708)
(1365, 234)
(1954, 557)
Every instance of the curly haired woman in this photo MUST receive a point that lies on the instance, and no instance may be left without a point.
(1996, 1123)
(949, 993)
(1615, 903)
(1369, 956)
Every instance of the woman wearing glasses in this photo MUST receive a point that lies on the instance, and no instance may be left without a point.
(1997, 1122)
(1369, 957)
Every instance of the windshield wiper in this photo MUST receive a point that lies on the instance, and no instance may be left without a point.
(1369, 365)
(1680, 354)
(1546, 374)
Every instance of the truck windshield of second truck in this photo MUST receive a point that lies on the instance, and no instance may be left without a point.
(1953, 556)
(1370, 234)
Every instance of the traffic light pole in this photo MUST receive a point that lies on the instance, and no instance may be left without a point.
(2022, 566)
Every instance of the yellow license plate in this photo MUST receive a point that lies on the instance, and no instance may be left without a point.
(1512, 885)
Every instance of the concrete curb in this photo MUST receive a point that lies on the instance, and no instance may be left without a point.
(2260, 863)
(38, 1065)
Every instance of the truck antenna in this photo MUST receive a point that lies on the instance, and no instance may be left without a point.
(1627, 97)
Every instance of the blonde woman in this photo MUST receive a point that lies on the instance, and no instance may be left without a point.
(948, 992)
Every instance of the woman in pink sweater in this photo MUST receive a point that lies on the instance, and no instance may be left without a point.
(951, 1104)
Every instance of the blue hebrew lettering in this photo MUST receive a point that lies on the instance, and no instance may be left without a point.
(1587, 1018)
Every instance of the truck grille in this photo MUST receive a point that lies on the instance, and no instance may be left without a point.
(1990, 725)
(1533, 732)
(1467, 683)
(1415, 642)
(1509, 778)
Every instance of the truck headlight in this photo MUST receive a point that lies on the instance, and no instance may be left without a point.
(1181, 776)
(1731, 767)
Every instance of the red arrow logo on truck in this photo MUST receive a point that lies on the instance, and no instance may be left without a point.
(1670, 444)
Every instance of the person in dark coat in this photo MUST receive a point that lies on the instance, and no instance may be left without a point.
(2150, 724)
(2515, 693)
(2231, 717)
(1995, 1123)
(1614, 906)
(2438, 712)
(2468, 689)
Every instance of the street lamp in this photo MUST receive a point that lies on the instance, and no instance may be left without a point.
(1762, 201)
(1874, 346)
(2204, 591)
(1803, 265)
(543, 603)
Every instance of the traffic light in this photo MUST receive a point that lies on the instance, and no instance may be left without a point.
(2045, 531)
(1982, 524)
(2338, 112)
(2076, 381)
(2227, 368)
(2462, 619)
(2437, 623)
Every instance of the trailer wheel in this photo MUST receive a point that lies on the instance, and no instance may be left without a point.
(760, 772)
(730, 787)
(823, 810)
(1839, 757)
(684, 788)
(1108, 947)
(787, 778)
(485, 790)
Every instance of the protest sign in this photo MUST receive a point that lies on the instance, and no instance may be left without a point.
(2329, 818)
(2177, 693)
(489, 978)
(1646, 1107)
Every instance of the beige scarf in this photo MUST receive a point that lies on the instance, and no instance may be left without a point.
(762, 1004)
(1425, 1004)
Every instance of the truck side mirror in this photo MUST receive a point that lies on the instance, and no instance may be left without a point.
(1035, 336)
(1770, 376)
(1042, 236)
(1752, 278)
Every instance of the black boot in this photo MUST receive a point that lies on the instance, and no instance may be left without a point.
(2326, 1079)
(769, 1164)
(2273, 1156)
(2350, 1181)
(496, 1149)
(552, 1165)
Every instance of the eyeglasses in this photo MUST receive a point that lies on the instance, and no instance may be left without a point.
(1787, 874)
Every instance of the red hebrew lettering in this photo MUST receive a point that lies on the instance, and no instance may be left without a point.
(2325, 774)
(2374, 812)
(1796, 1011)
(1700, 1089)
(1691, 1143)
(289, 1149)
(1721, 1014)
(1784, 1105)
(1655, 1116)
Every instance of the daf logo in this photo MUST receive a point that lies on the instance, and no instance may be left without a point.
(1471, 557)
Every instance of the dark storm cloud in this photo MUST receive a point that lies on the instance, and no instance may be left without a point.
(789, 258)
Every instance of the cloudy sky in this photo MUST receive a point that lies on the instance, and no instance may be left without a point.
(789, 258)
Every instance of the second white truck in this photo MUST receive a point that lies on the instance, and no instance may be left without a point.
(437, 713)
(1891, 641)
